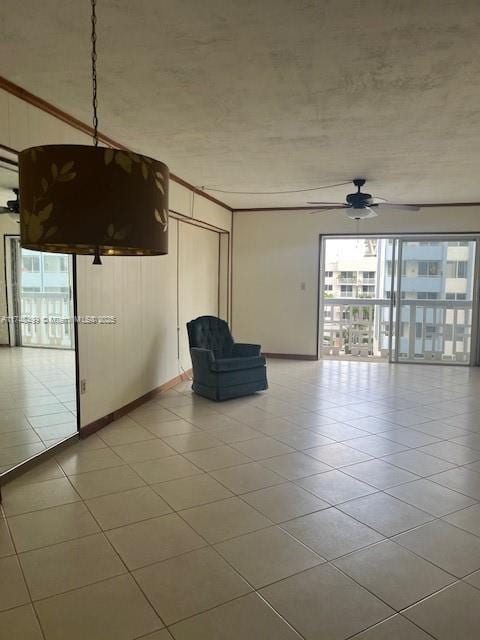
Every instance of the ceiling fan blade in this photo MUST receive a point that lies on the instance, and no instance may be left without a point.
(371, 201)
(325, 211)
(329, 204)
(398, 207)
(4, 210)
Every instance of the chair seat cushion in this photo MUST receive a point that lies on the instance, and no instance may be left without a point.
(237, 364)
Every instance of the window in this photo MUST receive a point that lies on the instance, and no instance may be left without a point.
(346, 291)
(455, 296)
(457, 269)
(428, 268)
(328, 274)
(462, 269)
(448, 332)
(368, 275)
(55, 264)
(31, 263)
(388, 267)
(30, 289)
(427, 295)
(347, 275)
(57, 289)
(430, 329)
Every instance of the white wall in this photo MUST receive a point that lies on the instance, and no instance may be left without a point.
(275, 252)
(124, 361)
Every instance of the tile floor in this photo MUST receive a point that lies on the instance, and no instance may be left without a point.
(343, 503)
(37, 401)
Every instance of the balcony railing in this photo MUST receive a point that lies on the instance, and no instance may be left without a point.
(46, 320)
(354, 328)
(435, 330)
(430, 330)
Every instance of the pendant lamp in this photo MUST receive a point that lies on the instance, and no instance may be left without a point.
(93, 200)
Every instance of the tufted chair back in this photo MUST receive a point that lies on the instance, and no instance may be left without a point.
(209, 332)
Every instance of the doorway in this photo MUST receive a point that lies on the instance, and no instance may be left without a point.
(399, 299)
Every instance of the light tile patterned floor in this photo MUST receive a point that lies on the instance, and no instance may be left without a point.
(343, 503)
(37, 401)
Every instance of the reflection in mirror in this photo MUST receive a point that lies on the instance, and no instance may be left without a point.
(37, 346)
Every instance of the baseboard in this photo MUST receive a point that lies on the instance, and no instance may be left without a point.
(98, 424)
(289, 356)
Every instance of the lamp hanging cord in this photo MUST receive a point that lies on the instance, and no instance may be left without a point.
(272, 193)
(97, 259)
(94, 73)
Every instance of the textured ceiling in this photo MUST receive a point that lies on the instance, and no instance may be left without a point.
(263, 95)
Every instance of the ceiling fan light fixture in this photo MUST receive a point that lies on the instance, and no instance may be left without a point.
(361, 213)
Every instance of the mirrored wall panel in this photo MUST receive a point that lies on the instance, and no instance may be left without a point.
(37, 344)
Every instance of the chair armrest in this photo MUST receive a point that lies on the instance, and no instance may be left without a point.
(243, 350)
(201, 356)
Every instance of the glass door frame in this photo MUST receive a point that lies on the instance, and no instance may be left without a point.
(394, 325)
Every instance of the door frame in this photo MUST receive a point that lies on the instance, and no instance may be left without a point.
(396, 276)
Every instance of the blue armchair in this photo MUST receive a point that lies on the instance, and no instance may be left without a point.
(223, 369)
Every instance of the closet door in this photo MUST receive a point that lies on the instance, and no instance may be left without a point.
(198, 293)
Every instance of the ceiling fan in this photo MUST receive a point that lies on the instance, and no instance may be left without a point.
(360, 206)
(13, 207)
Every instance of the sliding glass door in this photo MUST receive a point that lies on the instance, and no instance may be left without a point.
(399, 299)
(435, 300)
(356, 309)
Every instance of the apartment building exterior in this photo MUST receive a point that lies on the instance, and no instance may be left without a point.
(353, 277)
